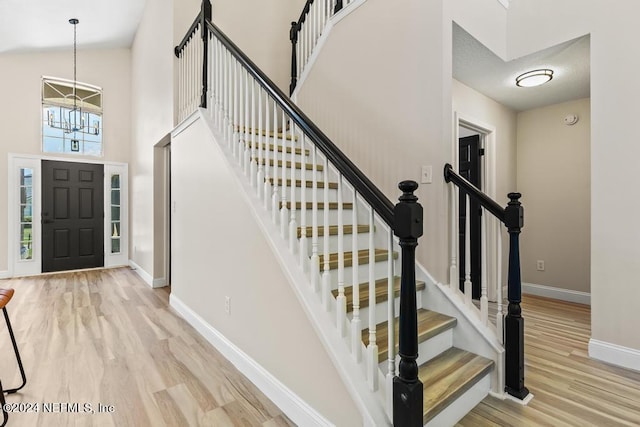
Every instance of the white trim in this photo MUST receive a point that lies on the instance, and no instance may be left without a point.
(290, 403)
(343, 13)
(504, 3)
(184, 125)
(523, 402)
(4, 275)
(148, 279)
(159, 283)
(557, 293)
(615, 354)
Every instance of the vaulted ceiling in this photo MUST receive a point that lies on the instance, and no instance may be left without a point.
(37, 25)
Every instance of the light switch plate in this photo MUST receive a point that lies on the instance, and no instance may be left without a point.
(427, 175)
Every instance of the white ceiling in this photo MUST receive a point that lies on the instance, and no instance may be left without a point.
(479, 68)
(37, 25)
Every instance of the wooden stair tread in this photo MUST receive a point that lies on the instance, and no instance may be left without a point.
(449, 375)
(307, 166)
(263, 133)
(430, 324)
(308, 184)
(333, 230)
(381, 292)
(363, 258)
(332, 205)
(288, 149)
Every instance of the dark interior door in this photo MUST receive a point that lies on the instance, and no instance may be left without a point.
(469, 168)
(72, 216)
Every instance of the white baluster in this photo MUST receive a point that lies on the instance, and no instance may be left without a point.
(275, 204)
(237, 96)
(284, 212)
(341, 300)
(315, 258)
(303, 205)
(254, 158)
(293, 224)
(228, 127)
(326, 277)
(356, 323)
(391, 316)
(247, 136)
(373, 345)
(267, 155)
(500, 314)
(467, 253)
(484, 300)
(241, 122)
(261, 173)
(454, 278)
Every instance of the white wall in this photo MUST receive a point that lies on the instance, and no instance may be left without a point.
(259, 28)
(21, 111)
(220, 252)
(383, 95)
(554, 179)
(152, 119)
(614, 114)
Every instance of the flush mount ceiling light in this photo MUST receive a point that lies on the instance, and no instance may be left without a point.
(534, 78)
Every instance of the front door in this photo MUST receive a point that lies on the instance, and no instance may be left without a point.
(72, 216)
(469, 168)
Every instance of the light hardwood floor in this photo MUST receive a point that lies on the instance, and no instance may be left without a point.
(570, 389)
(104, 337)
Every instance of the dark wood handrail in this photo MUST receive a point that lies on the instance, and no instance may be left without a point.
(378, 201)
(485, 201)
(190, 33)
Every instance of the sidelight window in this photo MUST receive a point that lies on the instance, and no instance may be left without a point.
(26, 214)
(116, 229)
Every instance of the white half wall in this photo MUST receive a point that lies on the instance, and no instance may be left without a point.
(219, 252)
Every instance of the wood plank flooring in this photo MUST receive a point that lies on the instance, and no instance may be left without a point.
(570, 389)
(104, 337)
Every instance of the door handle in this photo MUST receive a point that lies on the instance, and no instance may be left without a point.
(48, 221)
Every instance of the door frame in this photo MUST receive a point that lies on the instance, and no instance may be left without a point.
(17, 267)
(488, 184)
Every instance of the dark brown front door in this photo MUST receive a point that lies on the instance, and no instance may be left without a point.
(72, 216)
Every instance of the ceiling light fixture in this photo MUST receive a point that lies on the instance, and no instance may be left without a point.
(534, 78)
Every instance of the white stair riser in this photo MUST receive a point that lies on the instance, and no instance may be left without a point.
(463, 404)
(333, 216)
(362, 243)
(297, 174)
(380, 271)
(333, 193)
(381, 311)
(427, 350)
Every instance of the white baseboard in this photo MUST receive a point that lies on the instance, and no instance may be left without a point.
(291, 404)
(159, 283)
(615, 354)
(148, 279)
(557, 293)
(4, 275)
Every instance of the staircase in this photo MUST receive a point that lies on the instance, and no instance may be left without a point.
(451, 377)
(338, 230)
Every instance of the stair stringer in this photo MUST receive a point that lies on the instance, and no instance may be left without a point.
(469, 334)
(370, 404)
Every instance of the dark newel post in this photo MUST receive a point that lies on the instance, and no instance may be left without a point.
(513, 322)
(293, 36)
(407, 388)
(338, 6)
(205, 15)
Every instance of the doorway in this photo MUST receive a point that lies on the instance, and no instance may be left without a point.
(72, 215)
(470, 152)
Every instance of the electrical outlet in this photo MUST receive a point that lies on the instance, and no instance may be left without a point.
(427, 175)
(227, 305)
(540, 265)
